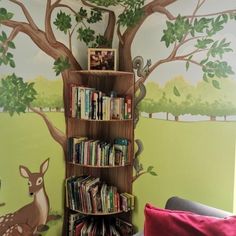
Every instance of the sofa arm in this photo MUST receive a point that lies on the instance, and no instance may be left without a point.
(177, 203)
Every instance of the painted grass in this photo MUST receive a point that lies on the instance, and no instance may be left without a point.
(193, 160)
(25, 140)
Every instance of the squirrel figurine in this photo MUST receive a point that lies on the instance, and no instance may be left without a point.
(138, 64)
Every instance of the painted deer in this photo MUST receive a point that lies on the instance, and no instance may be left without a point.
(31, 218)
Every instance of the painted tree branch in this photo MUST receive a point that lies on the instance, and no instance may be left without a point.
(199, 4)
(120, 37)
(12, 35)
(138, 175)
(155, 6)
(48, 28)
(232, 11)
(65, 6)
(26, 13)
(109, 32)
(55, 50)
(57, 134)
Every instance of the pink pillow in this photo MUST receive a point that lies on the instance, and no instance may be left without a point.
(162, 222)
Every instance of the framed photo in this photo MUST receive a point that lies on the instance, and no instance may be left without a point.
(102, 59)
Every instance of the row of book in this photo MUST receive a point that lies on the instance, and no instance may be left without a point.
(89, 103)
(80, 225)
(88, 194)
(87, 151)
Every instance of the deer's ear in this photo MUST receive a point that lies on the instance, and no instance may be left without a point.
(24, 171)
(44, 166)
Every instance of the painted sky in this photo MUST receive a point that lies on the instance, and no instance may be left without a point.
(32, 62)
(148, 40)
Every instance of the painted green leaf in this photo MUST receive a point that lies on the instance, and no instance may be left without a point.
(176, 91)
(225, 18)
(153, 173)
(12, 64)
(130, 16)
(86, 35)
(61, 64)
(216, 84)
(4, 36)
(187, 65)
(150, 168)
(202, 24)
(63, 22)
(15, 94)
(95, 17)
(5, 15)
(82, 14)
(11, 45)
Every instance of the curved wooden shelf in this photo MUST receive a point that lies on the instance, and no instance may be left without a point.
(99, 213)
(92, 166)
(102, 72)
(124, 120)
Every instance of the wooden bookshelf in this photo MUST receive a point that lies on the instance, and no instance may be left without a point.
(119, 175)
(100, 213)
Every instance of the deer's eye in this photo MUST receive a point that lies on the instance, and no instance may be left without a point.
(30, 184)
(39, 181)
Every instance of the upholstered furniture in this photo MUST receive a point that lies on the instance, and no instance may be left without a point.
(183, 217)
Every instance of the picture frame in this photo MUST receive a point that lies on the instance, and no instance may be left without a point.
(102, 59)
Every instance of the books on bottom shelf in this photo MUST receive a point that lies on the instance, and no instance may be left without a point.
(83, 226)
(88, 194)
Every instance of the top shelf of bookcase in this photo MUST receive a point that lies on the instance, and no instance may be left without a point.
(103, 72)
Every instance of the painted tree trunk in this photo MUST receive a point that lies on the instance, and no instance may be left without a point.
(212, 118)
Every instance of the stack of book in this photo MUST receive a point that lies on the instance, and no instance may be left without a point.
(127, 201)
(85, 151)
(84, 226)
(89, 103)
(89, 195)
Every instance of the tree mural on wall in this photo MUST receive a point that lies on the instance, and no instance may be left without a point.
(190, 99)
(180, 30)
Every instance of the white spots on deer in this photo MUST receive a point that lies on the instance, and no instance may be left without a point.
(19, 229)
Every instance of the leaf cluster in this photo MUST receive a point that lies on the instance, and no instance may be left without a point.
(105, 3)
(61, 64)
(6, 57)
(150, 171)
(132, 12)
(219, 69)
(63, 22)
(205, 27)
(5, 15)
(176, 31)
(202, 30)
(15, 94)
(89, 37)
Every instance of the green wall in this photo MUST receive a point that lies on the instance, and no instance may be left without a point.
(193, 160)
(25, 141)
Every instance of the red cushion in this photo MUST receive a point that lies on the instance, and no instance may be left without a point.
(162, 222)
